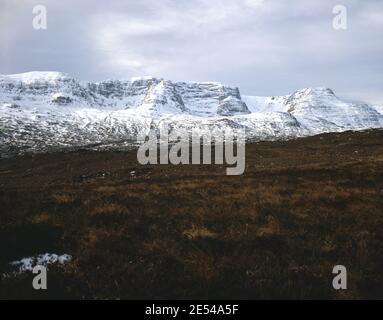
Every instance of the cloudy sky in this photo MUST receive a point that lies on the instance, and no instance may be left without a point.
(265, 47)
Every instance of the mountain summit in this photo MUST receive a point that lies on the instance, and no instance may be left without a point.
(42, 110)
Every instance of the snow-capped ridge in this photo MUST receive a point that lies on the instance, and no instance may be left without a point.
(44, 110)
(33, 76)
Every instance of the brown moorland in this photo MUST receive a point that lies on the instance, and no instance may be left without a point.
(164, 231)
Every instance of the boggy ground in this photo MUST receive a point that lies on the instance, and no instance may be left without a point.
(190, 231)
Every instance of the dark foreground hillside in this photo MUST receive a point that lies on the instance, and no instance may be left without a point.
(168, 231)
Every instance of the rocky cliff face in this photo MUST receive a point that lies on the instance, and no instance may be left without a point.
(47, 110)
(156, 96)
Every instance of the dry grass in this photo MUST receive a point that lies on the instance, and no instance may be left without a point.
(64, 198)
(301, 207)
(196, 232)
(108, 208)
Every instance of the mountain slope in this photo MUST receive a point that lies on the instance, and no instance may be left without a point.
(45, 110)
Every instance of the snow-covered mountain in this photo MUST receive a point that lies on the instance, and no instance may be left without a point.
(378, 108)
(44, 110)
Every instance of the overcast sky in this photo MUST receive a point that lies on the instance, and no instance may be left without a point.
(265, 47)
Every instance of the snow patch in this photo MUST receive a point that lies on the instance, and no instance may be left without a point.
(27, 264)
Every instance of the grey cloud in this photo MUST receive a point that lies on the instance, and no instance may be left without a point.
(265, 47)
